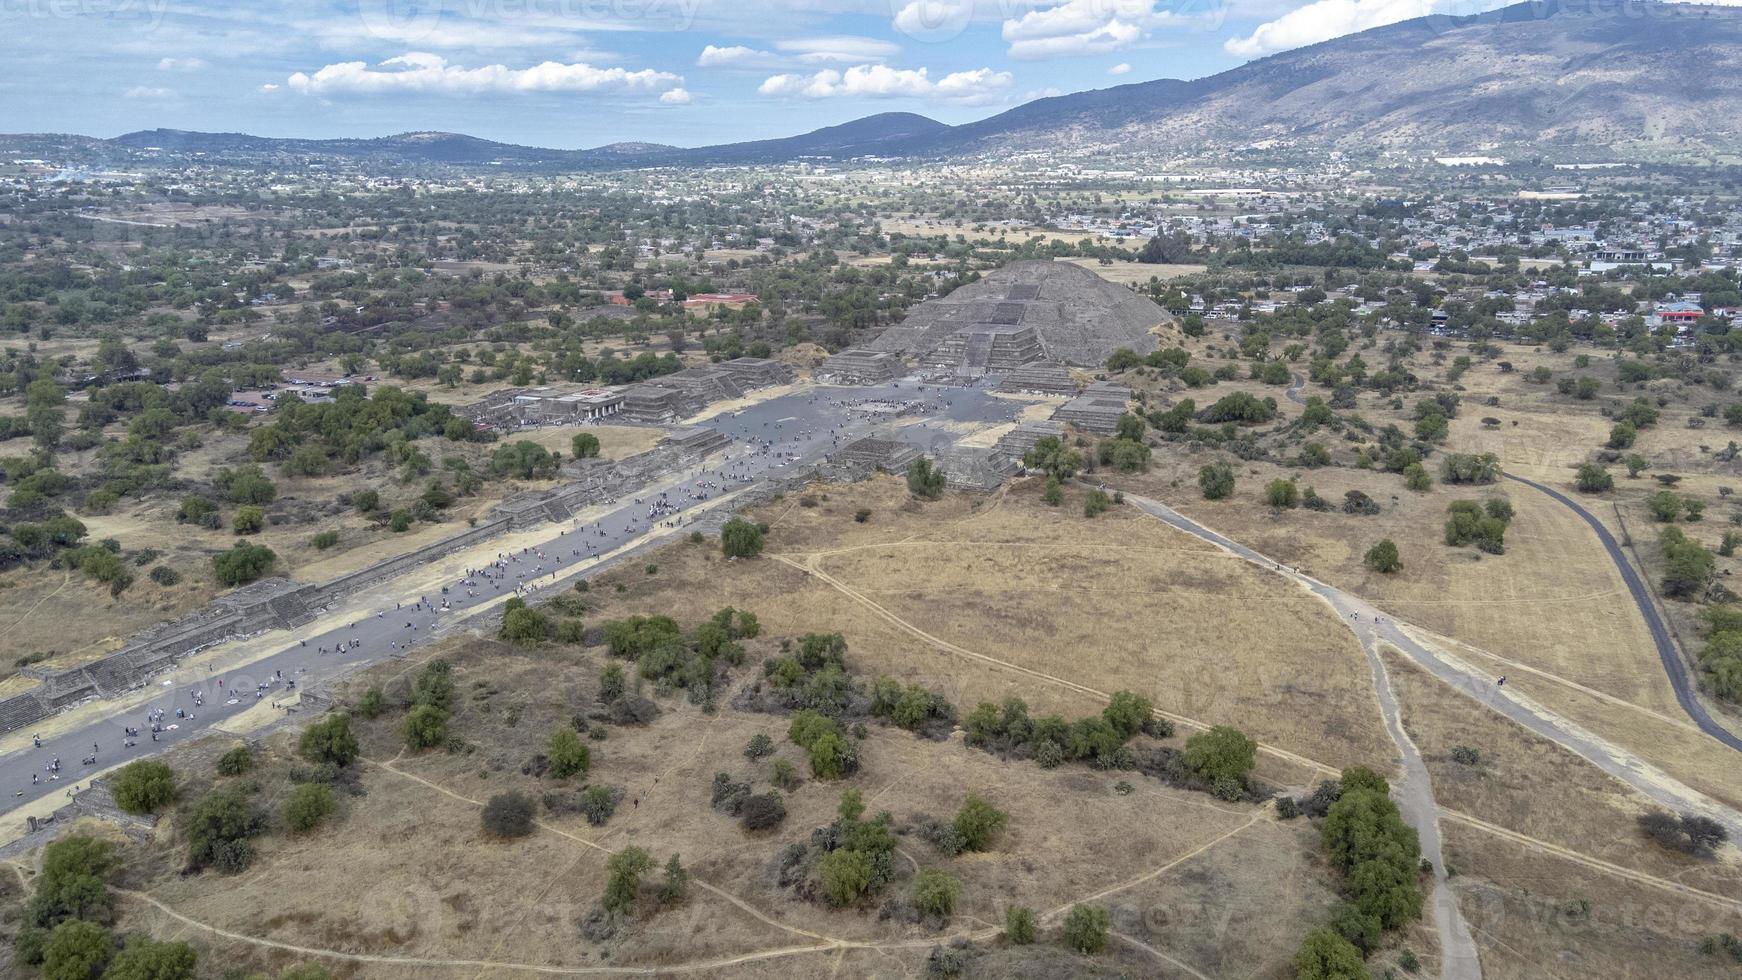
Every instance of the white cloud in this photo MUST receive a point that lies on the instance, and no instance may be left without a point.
(1086, 27)
(1119, 69)
(714, 56)
(1323, 20)
(269, 87)
(148, 92)
(883, 82)
(181, 64)
(422, 72)
(676, 96)
(797, 52)
(844, 48)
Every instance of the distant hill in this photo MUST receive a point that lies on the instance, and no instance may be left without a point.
(1640, 77)
(1552, 74)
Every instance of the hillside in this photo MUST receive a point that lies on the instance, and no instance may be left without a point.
(1526, 74)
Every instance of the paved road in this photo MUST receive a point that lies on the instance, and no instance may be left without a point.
(1679, 675)
(791, 430)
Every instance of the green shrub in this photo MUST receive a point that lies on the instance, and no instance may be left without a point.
(425, 727)
(236, 762)
(1216, 480)
(309, 805)
(1383, 557)
(568, 755)
(144, 786)
(329, 740)
(508, 815)
(740, 538)
(935, 893)
(1086, 928)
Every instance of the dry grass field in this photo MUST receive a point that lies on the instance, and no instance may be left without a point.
(1129, 273)
(405, 881)
(1015, 594)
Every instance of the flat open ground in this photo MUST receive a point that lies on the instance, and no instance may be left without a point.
(1016, 596)
(405, 880)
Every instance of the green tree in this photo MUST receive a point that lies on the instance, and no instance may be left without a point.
(676, 886)
(217, 828)
(146, 959)
(740, 538)
(308, 806)
(521, 624)
(1221, 753)
(1592, 478)
(845, 875)
(1086, 928)
(935, 892)
(1127, 712)
(77, 950)
(425, 727)
(1051, 456)
(584, 445)
(1324, 955)
(1383, 557)
(236, 761)
(625, 869)
(144, 786)
(243, 564)
(978, 823)
(329, 740)
(924, 480)
(568, 755)
(1019, 925)
(1216, 480)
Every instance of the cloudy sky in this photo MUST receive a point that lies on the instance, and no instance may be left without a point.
(576, 73)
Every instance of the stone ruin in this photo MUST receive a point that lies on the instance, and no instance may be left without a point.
(859, 366)
(1039, 378)
(1097, 409)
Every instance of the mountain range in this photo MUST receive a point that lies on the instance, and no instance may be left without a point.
(1569, 76)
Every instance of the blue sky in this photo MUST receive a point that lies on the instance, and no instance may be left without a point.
(576, 73)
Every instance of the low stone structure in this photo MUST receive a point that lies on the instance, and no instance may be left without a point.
(658, 404)
(1097, 409)
(1016, 443)
(863, 457)
(858, 366)
(980, 470)
(1039, 378)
